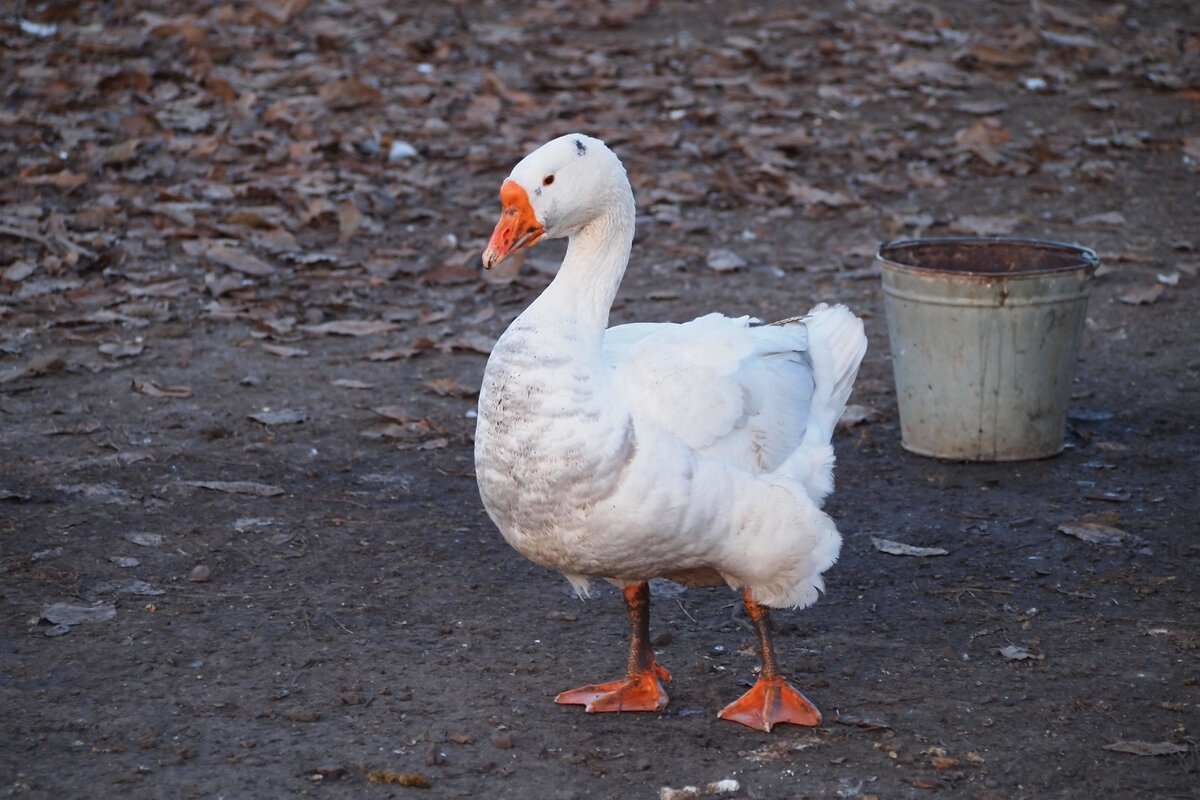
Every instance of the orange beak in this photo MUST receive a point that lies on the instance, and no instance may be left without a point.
(518, 226)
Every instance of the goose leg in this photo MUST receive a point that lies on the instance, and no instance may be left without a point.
(640, 691)
(772, 699)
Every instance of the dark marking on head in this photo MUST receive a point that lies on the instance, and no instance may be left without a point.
(580, 147)
(537, 192)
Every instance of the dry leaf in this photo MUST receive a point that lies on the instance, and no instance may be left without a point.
(396, 412)
(402, 779)
(428, 444)
(218, 285)
(282, 416)
(1147, 748)
(1106, 220)
(384, 430)
(350, 219)
(63, 180)
(18, 270)
(122, 349)
(451, 271)
(476, 342)
(284, 351)
(983, 138)
(854, 414)
(153, 389)
(1017, 653)
(1142, 295)
(993, 56)
(1094, 532)
(984, 226)
(120, 153)
(351, 327)
(349, 93)
(239, 487)
(67, 614)
(237, 260)
(507, 270)
(447, 387)
(984, 108)
(900, 549)
(390, 354)
(34, 367)
(145, 539)
(812, 196)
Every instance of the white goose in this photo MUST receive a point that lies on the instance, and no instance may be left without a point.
(698, 452)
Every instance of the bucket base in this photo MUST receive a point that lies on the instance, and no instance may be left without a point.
(976, 457)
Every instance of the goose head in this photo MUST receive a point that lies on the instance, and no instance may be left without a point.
(554, 192)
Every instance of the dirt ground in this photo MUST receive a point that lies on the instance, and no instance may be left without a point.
(242, 323)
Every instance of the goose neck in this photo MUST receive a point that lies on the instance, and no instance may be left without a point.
(591, 272)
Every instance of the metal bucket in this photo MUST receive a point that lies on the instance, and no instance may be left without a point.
(984, 335)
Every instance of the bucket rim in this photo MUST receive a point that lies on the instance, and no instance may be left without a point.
(1090, 261)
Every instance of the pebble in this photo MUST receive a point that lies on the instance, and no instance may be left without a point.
(400, 150)
(724, 260)
(200, 574)
(330, 769)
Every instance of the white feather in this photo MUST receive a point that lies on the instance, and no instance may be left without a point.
(649, 449)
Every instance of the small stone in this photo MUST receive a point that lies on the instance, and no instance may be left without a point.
(400, 150)
(502, 740)
(724, 260)
(686, 793)
(200, 574)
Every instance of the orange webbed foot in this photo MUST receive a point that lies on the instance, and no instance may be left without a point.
(640, 691)
(769, 702)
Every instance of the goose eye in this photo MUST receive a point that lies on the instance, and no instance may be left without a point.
(549, 179)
